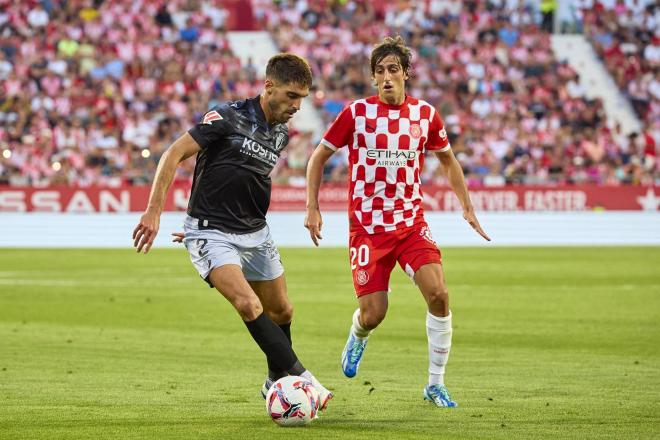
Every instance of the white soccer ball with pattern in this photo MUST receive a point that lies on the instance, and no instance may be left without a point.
(292, 401)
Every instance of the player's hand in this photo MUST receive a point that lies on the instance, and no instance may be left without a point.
(178, 237)
(314, 223)
(145, 232)
(471, 218)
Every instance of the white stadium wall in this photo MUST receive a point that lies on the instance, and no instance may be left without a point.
(449, 229)
(516, 215)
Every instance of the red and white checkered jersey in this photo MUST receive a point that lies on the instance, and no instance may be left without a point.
(386, 155)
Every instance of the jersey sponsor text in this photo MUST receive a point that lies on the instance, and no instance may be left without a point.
(258, 151)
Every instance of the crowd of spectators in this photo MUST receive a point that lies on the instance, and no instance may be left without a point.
(92, 92)
(515, 114)
(626, 35)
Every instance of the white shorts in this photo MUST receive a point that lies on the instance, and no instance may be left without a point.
(255, 252)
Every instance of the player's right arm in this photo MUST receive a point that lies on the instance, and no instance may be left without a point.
(313, 219)
(336, 137)
(147, 229)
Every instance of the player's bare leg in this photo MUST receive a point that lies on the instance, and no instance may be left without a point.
(367, 317)
(231, 283)
(373, 308)
(277, 306)
(274, 299)
(431, 282)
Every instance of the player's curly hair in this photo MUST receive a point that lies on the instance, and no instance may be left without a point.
(287, 68)
(392, 46)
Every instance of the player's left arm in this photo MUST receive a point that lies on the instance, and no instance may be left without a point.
(454, 172)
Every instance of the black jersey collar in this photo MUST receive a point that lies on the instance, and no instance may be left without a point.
(257, 112)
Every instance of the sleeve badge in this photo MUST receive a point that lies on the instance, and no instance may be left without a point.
(211, 116)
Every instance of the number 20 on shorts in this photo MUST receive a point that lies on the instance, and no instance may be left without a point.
(361, 254)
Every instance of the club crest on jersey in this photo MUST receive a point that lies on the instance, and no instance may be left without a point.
(280, 140)
(415, 131)
(211, 116)
(362, 277)
(443, 134)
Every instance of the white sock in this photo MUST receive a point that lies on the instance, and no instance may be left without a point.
(310, 377)
(438, 332)
(357, 329)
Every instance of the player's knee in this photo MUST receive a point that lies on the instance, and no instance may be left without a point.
(287, 314)
(248, 307)
(370, 319)
(439, 296)
(282, 314)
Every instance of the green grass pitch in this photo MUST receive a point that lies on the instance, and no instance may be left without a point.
(549, 343)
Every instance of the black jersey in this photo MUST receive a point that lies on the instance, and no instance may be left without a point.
(231, 186)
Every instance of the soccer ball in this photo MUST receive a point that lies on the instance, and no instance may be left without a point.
(292, 401)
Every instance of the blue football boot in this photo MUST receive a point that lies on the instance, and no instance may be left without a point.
(439, 395)
(352, 354)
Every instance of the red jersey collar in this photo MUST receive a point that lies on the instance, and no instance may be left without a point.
(376, 100)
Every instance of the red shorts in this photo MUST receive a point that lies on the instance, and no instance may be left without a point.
(373, 256)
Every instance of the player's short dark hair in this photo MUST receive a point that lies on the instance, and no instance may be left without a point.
(287, 68)
(391, 46)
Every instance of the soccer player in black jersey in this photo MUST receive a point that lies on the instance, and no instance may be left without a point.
(237, 145)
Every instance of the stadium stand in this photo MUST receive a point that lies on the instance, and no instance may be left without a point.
(626, 35)
(93, 92)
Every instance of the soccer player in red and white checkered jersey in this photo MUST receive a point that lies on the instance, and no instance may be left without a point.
(387, 136)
